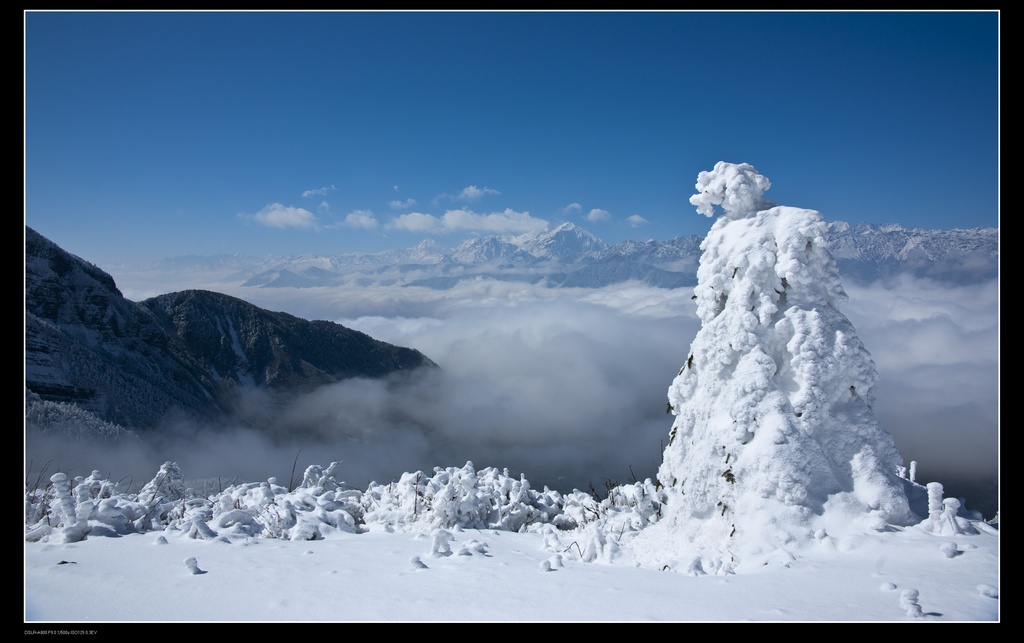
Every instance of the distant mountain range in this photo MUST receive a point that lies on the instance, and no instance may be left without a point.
(569, 256)
(184, 354)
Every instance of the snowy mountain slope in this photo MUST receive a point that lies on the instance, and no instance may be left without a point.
(86, 344)
(565, 243)
(492, 249)
(247, 345)
(186, 353)
(866, 252)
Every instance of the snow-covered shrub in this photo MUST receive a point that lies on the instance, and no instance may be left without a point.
(317, 477)
(162, 498)
(594, 530)
(935, 492)
(946, 516)
(312, 511)
(578, 509)
(453, 498)
(93, 506)
(440, 542)
(69, 527)
(627, 508)
(908, 601)
(237, 523)
(597, 544)
(98, 502)
(460, 497)
(319, 506)
(95, 487)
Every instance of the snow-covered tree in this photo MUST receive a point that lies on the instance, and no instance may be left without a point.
(774, 437)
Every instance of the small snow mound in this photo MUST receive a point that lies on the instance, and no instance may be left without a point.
(908, 601)
(160, 540)
(473, 547)
(779, 557)
(440, 543)
(417, 563)
(193, 565)
(949, 549)
(545, 565)
(988, 590)
(695, 568)
(887, 587)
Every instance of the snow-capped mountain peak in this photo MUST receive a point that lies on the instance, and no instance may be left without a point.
(566, 243)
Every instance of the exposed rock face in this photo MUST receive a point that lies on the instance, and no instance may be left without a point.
(248, 345)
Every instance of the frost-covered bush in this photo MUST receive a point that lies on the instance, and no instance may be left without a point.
(69, 510)
(575, 526)
(320, 506)
(162, 498)
(451, 498)
(460, 497)
(626, 508)
(66, 522)
(908, 601)
(943, 518)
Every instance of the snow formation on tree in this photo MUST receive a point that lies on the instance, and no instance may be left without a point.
(774, 441)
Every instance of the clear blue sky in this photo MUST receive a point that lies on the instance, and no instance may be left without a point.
(150, 135)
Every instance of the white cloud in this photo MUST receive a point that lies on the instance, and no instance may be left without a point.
(401, 205)
(417, 222)
(276, 215)
(508, 221)
(635, 220)
(936, 347)
(363, 219)
(318, 192)
(473, 193)
(549, 399)
(597, 214)
(572, 207)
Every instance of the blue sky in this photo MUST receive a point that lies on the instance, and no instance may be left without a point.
(150, 135)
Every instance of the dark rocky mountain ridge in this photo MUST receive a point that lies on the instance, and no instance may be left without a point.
(186, 354)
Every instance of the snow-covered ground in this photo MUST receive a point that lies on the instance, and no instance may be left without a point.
(496, 575)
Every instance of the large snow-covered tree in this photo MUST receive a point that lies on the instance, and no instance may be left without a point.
(774, 439)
